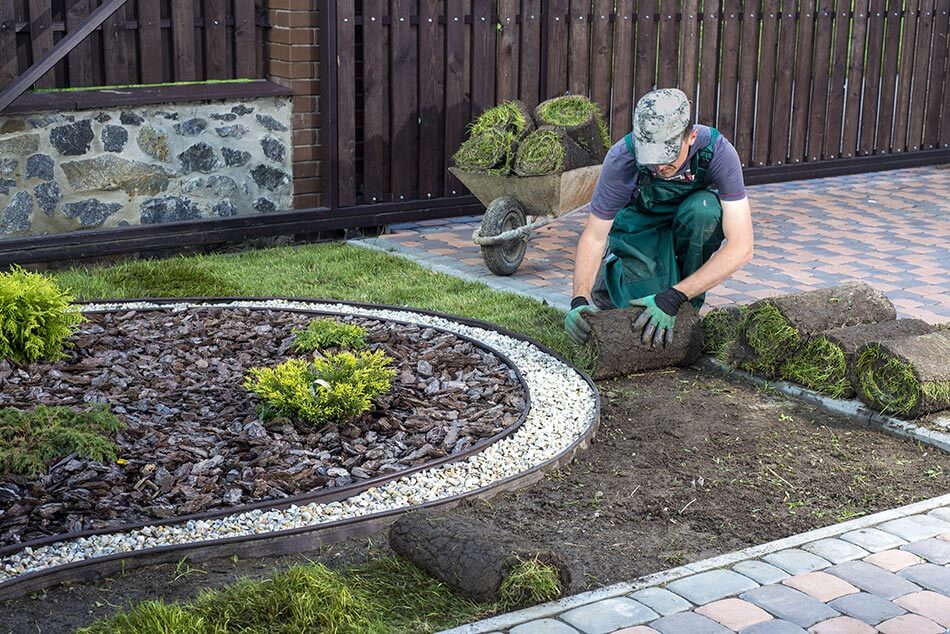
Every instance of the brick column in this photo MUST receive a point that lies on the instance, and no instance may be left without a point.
(292, 58)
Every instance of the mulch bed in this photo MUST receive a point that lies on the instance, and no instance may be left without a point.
(193, 440)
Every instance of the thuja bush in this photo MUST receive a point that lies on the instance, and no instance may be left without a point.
(36, 317)
(334, 388)
(329, 333)
(31, 440)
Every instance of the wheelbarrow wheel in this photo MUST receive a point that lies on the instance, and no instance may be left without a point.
(503, 214)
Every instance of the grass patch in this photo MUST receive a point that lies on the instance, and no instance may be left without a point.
(820, 365)
(887, 381)
(490, 151)
(31, 440)
(771, 337)
(174, 277)
(329, 333)
(542, 152)
(529, 583)
(720, 329)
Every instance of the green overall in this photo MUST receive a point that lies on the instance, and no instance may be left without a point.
(667, 231)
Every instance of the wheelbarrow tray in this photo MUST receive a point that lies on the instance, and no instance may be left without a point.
(548, 195)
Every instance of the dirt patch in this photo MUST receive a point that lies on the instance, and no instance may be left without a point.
(687, 465)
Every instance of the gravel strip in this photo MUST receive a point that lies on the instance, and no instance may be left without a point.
(563, 407)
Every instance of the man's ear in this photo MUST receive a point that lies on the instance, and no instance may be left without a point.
(693, 135)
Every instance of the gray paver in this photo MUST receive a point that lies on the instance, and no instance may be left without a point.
(943, 513)
(760, 571)
(836, 550)
(872, 579)
(775, 626)
(544, 626)
(866, 607)
(608, 615)
(661, 601)
(797, 562)
(936, 551)
(916, 527)
(930, 576)
(688, 623)
(873, 540)
(711, 586)
(790, 604)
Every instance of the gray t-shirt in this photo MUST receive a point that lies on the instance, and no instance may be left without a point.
(618, 178)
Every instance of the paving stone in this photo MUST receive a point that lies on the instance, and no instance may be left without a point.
(639, 629)
(916, 527)
(608, 615)
(934, 550)
(775, 626)
(835, 550)
(687, 623)
(821, 586)
(796, 562)
(842, 625)
(873, 540)
(760, 571)
(930, 576)
(790, 604)
(734, 613)
(544, 626)
(909, 624)
(872, 579)
(661, 601)
(893, 560)
(943, 513)
(935, 607)
(711, 586)
(869, 608)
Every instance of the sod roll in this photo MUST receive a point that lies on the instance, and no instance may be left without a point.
(581, 118)
(776, 328)
(549, 150)
(490, 151)
(617, 349)
(908, 377)
(469, 556)
(720, 329)
(826, 362)
(511, 116)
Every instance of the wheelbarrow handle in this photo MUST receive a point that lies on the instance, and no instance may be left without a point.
(512, 234)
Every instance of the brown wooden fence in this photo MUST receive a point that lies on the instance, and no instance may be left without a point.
(146, 42)
(788, 81)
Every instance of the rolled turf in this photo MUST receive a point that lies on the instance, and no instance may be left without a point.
(720, 329)
(826, 362)
(908, 377)
(581, 118)
(511, 116)
(775, 329)
(549, 150)
(490, 151)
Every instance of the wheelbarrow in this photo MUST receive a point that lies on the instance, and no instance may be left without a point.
(517, 205)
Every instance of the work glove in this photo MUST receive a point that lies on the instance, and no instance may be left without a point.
(658, 317)
(575, 325)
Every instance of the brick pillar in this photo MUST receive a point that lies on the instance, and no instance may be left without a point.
(292, 58)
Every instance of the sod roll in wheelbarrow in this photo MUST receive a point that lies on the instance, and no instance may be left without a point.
(480, 561)
(511, 116)
(618, 351)
(581, 118)
(490, 151)
(908, 376)
(776, 328)
(826, 362)
(549, 150)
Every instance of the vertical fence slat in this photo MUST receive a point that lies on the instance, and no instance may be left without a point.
(375, 101)
(483, 56)
(872, 77)
(621, 103)
(938, 75)
(556, 84)
(728, 79)
(405, 132)
(346, 97)
(457, 107)
(836, 84)
(748, 61)
(892, 38)
(183, 39)
(709, 64)
(905, 74)
(824, 20)
(578, 79)
(79, 60)
(689, 49)
(215, 32)
(8, 56)
(645, 74)
(529, 76)
(601, 54)
(803, 73)
(763, 115)
(945, 119)
(116, 49)
(852, 116)
(509, 51)
(921, 71)
(150, 41)
(431, 94)
(782, 101)
(41, 36)
(245, 39)
(668, 33)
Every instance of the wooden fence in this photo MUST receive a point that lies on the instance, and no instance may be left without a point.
(788, 81)
(146, 42)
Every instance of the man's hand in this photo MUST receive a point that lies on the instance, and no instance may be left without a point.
(575, 325)
(658, 317)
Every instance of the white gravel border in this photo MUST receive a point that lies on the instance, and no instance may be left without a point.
(563, 407)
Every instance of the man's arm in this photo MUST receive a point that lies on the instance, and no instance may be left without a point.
(590, 251)
(733, 255)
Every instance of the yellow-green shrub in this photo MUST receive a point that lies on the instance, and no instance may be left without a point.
(329, 333)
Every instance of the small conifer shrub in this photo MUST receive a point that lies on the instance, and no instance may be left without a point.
(329, 333)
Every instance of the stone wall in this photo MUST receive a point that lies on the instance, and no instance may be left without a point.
(144, 165)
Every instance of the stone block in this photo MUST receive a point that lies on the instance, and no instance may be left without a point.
(931, 605)
(842, 625)
(930, 576)
(544, 626)
(910, 624)
(760, 572)
(872, 579)
(711, 586)
(936, 551)
(109, 173)
(869, 608)
(688, 623)
(40, 166)
(775, 626)
(820, 585)
(608, 615)
(22, 145)
(873, 540)
(661, 601)
(790, 604)
(916, 527)
(796, 562)
(893, 560)
(72, 139)
(16, 216)
(733, 613)
(835, 550)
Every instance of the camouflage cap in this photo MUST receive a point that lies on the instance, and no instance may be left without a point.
(660, 121)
